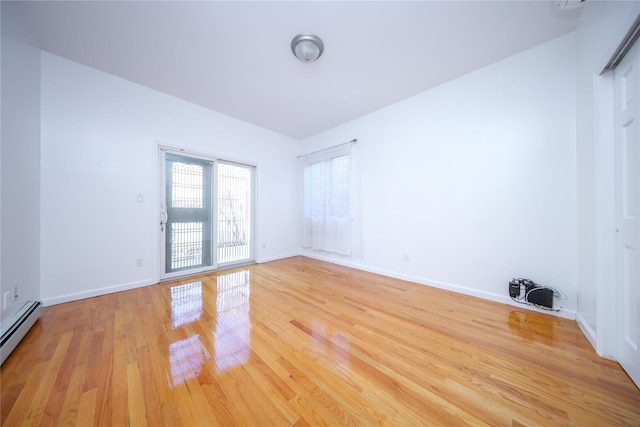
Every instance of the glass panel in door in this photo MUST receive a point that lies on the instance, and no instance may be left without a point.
(235, 213)
(188, 236)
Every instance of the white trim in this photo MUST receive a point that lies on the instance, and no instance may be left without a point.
(161, 179)
(277, 257)
(192, 152)
(603, 338)
(258, 238)
(155, 214)
(96, 292)
(567, 314)
(619, 39)
(190, 272)
(588, 332)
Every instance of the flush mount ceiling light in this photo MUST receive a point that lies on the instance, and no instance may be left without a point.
(307, 47)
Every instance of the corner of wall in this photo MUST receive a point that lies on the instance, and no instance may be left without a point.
(20, 170)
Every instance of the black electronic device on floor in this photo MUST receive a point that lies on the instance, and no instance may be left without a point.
(525, 291)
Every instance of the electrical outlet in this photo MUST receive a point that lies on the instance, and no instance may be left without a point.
(139, 198)
(406, 257)
(139, 262)
(264, 245)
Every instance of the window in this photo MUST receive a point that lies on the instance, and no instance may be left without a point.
(235, 216)
(326, 222)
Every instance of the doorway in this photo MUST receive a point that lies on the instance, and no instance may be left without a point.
(627, 147)
(206, 213)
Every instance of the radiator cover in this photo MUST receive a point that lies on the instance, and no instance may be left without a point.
(17, 327)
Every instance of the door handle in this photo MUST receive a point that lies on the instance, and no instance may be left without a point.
(164, 217)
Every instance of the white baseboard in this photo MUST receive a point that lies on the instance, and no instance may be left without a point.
(276, 257)
(434, 283)
(96, 292)
(588, 331)
(127, 286)
(567, 314)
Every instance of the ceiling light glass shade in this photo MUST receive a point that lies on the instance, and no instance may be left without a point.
(307, 47)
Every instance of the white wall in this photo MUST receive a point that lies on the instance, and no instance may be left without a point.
(601, 28)
(99, 137)
(475, 180)
(20, 168)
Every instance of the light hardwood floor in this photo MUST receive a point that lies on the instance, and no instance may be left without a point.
(301, 342)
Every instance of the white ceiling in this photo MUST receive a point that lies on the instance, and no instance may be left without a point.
(235, 58)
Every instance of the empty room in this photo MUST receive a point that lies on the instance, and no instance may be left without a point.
(320, 213)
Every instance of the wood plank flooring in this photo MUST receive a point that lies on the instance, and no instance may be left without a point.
(299, 342)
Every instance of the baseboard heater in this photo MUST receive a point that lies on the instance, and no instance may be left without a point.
(17, 327)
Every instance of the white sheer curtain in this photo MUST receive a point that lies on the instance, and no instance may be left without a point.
(326, 214)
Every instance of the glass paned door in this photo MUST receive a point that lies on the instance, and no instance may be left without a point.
(206, 213)
(187, 222)
(235, 213)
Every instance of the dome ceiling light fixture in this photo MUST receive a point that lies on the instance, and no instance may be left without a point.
(307, 47)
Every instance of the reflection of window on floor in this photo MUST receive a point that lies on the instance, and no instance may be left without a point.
(233, 327)
(186, 358)
(186, 303)
(333, 344)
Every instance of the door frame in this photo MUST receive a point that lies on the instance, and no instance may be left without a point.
(628, 230)
(604, 338)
